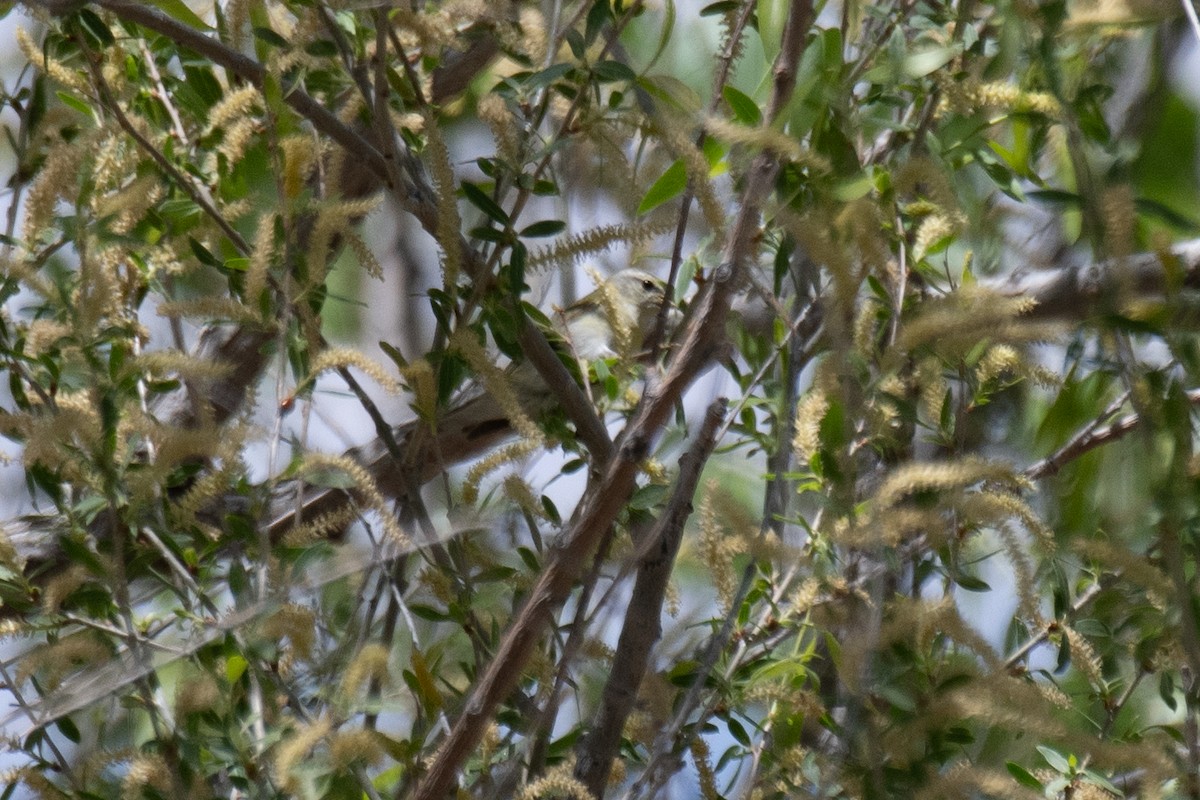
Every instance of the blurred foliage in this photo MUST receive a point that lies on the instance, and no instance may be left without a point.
(883, 592)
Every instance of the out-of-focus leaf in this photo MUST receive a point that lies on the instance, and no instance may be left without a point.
(922, 63)
(1023, 776)
(668, 186)
(178, 10)
(478, 198)
(745, 110)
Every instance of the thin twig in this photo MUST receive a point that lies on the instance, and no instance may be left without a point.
(1191, 731)
(1082, 601)
(198, 194)
(720, 78)
(1092, 436)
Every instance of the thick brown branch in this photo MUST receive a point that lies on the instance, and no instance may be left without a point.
(605, 498)
(458, 69)
(601, 505)
(642, 626)
(572, 399)
(1075, 293)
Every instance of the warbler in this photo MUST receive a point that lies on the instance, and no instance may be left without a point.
(612, 321)
(624, 306)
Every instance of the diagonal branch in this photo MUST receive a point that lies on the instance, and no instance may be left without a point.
(1088, 439)
(642, 626)
(606, 498)
(248, 70)
(1069, 293)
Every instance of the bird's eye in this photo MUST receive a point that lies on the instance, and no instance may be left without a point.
(649, 285)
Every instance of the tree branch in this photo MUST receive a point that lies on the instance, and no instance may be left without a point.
(605, 498)
(642, 626)
(1074, 293)
(1089, 438)
(248, 70)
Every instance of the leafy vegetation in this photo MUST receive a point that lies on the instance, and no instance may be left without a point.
(938, 538)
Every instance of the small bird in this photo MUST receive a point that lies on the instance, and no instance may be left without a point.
(610, 322)
(624, 306)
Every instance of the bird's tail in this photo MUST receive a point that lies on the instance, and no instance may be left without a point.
(421, 452)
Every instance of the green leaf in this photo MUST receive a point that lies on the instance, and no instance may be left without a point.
(179, 10)
(68, 729)
(199, 90)
(270, 37)
(516, 271)
(854, 187)
(110, 418)
(738, 732)
(666, 35)
(479, 198)
(959, 735)
(1166, 689)
(745, 110)
(918, 65)
(430, 697)
(38, 476)
(719, 8)
(613, 71)
(80, 555)
(530, 559)
(488, 234)
(668, 186)
(235, 667)
(322, 48)
(180, 214)
(648, 497)
(547, 227)
(552, 73)
(394, 354)
(898, 697)
(576, 43)
(551, 510)
(972, 584)
(771, 16)
(204, 255)
(1171, 731)
(1057, 762)
(96, 27)
(1056, 197)
(598, 16)
(74, 102)
(91, 505)
(428, 612)
(672, 91)
(946, 419)
(1103, 782)
(1153, 208)
(1023, 776)
(683, 673)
